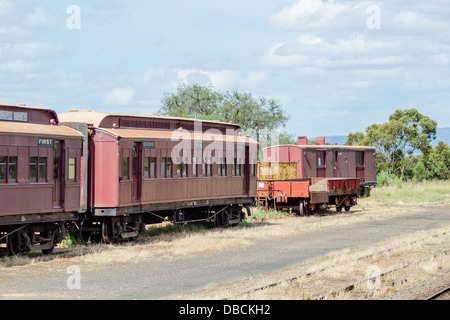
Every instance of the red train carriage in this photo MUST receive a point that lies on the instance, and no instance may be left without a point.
(305, 176)
(40, 174)
(147, 168)
(327, 161)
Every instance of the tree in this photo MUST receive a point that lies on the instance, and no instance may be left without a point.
(435, 164)
(195, 101)
(406, 132)
(202, 102)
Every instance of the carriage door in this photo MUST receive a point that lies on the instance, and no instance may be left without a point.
(136, 174)
(58, 178)
(335, 164)
(247, 171)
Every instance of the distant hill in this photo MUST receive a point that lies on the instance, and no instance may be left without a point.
(442, 134)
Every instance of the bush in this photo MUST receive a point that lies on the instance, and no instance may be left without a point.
(387, 179)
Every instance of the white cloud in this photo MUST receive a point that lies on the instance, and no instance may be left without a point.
(119, 96)
(19, 66)
(38, 18)
(222, 79)
(317, 14)
(5, 8)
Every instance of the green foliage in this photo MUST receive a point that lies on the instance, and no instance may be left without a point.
(387, 179)
(396, 141)
(177, 228)
(203, 102)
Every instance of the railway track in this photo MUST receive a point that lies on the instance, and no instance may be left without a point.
(443, 294)
(356, 284)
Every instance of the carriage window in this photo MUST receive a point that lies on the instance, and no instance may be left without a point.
(359, 159)
(150, 167)
(179, 166)
(237, 162)
(8, 169)
(222, 167)
(38, 169)
(321, 158)
(146, 167)
(169, 167)
(209, 167)
(194, 167)
(42, 168)
(125, 167)
(163, 167)
(2, 168)
(72, 162)
(182, 167)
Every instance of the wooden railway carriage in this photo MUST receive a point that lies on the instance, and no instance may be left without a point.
(40, 177)
(147, 168)
(305, 177)
(327, 161)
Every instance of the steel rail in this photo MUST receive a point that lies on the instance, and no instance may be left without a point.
(436, 295)
(309, 274)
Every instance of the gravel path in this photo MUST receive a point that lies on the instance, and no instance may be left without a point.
(168, 276)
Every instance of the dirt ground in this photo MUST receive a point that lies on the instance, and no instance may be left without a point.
(294, 258)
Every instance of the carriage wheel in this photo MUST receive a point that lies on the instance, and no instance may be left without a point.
(12, 244)
(107, 232)
(301, 208)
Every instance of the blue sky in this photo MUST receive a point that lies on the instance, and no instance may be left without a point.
(335, 66)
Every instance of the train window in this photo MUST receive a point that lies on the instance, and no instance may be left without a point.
(222, 167)
(8, 169)
(146, 167)
(238, 166)
(182, 167)
(321, 158)
(42, 168)
(38, 169)
(125, 161)
(72, 167)
(209, 167)
(194, 166)
(33, 169)
(3, 168)
(179, 166)
(359, 159)
(204, 166)
(12, 161)
(169, 167)
(150, 167)
(252, 170)
(163, 167)
(335, 155)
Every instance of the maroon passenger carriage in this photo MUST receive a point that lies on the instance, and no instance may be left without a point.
(151, 168)
(40, 178)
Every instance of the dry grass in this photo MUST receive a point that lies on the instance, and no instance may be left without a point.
(178, 240)
(338, 269)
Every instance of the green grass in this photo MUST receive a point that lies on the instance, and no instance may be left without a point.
(262, 214)
(409, 192)
(172, 229)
